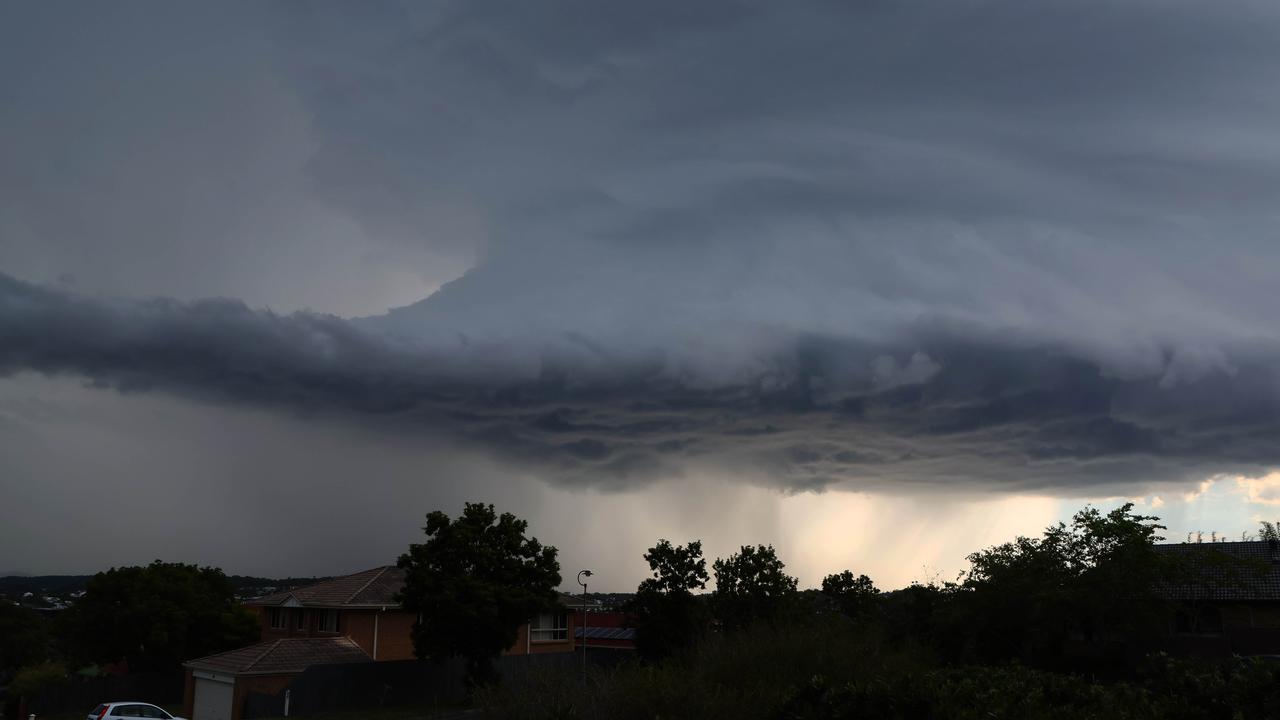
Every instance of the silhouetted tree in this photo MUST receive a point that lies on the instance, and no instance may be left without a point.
(474, 582)
(157, 616)
(1097, 580)
(854, 596)
(668, 617)
(1269, 531)
(751, 586)
(24, 637)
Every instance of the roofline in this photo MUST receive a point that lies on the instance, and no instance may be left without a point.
(330, 606)
(243, 673)
(381, 571)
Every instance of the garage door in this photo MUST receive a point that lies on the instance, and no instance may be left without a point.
(212, 700)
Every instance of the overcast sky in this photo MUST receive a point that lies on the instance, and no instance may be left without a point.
(877, 282)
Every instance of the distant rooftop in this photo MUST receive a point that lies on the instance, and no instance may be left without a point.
(370, 588)
(1242, 571)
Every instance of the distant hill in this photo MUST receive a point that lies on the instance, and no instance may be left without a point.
(62, 586)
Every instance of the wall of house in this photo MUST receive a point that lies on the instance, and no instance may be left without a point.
(395, 635)
(358, 625)
(188, 694)
(395, 632)
(1265, 615)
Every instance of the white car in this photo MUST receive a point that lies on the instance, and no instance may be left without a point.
(112, 710)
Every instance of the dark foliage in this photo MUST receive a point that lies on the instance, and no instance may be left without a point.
(1079, 597)
(853, 596)
(474, 582)
(155, 617)
(667, 616)
(24, 637)
(751, 587)
(1168, 690)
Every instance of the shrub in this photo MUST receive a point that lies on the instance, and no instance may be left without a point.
(35, 680)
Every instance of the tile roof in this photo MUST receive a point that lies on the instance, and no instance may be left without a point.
(606, 633)
(290, 655)
(1229, 570)
(371, 588)
(376, 587)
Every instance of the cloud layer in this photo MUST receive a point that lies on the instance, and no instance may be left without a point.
(943, 405)
(980, 245)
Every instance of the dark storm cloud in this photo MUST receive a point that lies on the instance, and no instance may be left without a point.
(987, 413)
(868, 244)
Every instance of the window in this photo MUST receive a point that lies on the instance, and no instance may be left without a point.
(276, 618)
(1197, 619)
(300, 622)
(140, 711)
(549, 626)
(328, 621)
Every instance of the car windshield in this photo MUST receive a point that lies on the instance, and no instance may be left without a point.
(98, 710)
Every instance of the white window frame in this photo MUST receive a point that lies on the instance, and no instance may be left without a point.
(276, 619)
(549, 627)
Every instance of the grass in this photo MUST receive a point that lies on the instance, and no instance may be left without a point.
(744, 676)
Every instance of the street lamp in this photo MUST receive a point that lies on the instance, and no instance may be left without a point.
(583, 583)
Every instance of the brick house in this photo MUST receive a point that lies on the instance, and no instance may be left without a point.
(355, 618)
(1231, 605)
(217, 685)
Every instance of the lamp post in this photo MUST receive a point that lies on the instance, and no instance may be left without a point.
(582, 574)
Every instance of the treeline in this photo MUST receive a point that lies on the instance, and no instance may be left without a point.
(1081, 597)
(13, 587)
(1068, 624)
(1062, 623)
(144, 618)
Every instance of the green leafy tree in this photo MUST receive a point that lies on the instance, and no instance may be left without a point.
(24, 637)
(668, 617)
(474, 582)
(156, 616)
(36, 680)
(854, 596)
(1095, 583)
(751, 586)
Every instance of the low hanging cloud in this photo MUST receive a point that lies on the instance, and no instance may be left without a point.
(943, 405)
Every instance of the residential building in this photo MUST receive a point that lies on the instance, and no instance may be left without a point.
(353, 618)
(1231, 603)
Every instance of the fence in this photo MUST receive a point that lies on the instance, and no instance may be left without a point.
(406, 682)
(84, 693)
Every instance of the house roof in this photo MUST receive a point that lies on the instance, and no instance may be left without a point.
(606, 633)
(371, 588)
(1229, 570)
(376, 587)
(290, 655)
